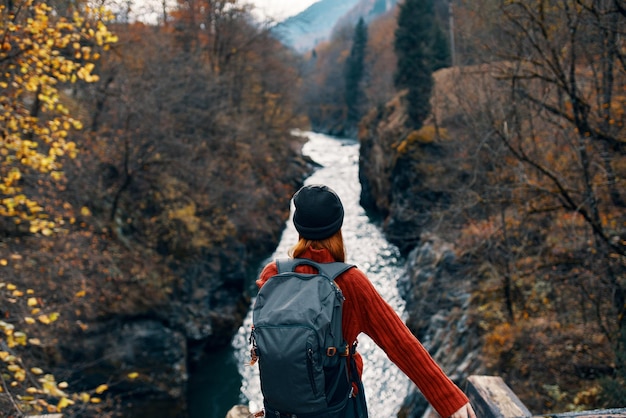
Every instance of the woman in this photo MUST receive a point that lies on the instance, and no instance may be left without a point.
(318, 218)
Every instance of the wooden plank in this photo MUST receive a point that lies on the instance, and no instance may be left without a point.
(595, 413)
(492, 398)
(45, 416)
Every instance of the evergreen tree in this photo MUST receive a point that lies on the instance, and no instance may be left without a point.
(413, 38)
(440, 49)
(355, 63)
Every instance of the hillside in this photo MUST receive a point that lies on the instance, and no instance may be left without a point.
(128, 258)
(520, 289)
(316, 24)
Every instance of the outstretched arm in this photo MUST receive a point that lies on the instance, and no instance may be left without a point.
(466, 411)
(375, 317)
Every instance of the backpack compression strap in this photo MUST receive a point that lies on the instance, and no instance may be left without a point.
(332, 270)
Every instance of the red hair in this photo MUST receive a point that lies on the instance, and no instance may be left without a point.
(334, 244)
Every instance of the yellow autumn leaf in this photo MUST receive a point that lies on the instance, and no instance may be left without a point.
(20, 338)
(36, 370)
(32, 302)
(42, 39)
(96, 400)
(29, 320)
(80, 294)
(102, 388)
(64, 403)
(133, 375)
(49, 386)
(6, 327)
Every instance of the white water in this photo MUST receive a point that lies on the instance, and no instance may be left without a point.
(385, 385)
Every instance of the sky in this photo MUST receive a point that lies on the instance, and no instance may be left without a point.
(280, 9)
(273, 10)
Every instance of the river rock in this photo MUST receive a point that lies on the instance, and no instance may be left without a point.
(402, 174)
(145, 346)
(437, 295)
(381, 129)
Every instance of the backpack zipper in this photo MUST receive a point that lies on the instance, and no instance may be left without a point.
(309, 364)
(254, 352)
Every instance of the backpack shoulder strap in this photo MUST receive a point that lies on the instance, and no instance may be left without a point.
(331, 270)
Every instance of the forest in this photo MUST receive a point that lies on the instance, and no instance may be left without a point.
(147, 168)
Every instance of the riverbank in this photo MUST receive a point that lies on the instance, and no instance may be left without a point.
(133, 302)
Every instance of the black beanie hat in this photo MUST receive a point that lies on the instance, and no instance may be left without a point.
(319, 212)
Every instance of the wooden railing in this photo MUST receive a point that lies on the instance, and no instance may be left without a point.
(46, 416)
(492, 398)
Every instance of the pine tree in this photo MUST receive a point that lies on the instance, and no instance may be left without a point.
(440, 49)
(355, 63)
(413, 39)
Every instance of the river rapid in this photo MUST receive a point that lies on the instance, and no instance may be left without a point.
(385, 385)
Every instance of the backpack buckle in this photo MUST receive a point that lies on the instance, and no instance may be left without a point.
(332, 351)
(346, 352)
(254, 356)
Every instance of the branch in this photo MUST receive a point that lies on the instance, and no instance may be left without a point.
(563, 195)
(6, 390)
(583, 127)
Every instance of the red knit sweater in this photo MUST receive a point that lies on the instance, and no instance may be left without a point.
(364, 310)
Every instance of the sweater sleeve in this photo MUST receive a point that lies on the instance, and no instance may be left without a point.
(380, 322)
(268, 271)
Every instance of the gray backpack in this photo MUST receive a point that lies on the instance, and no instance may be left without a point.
(298, 341)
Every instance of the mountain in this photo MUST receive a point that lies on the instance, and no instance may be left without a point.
(315, 24)
(367, 9)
